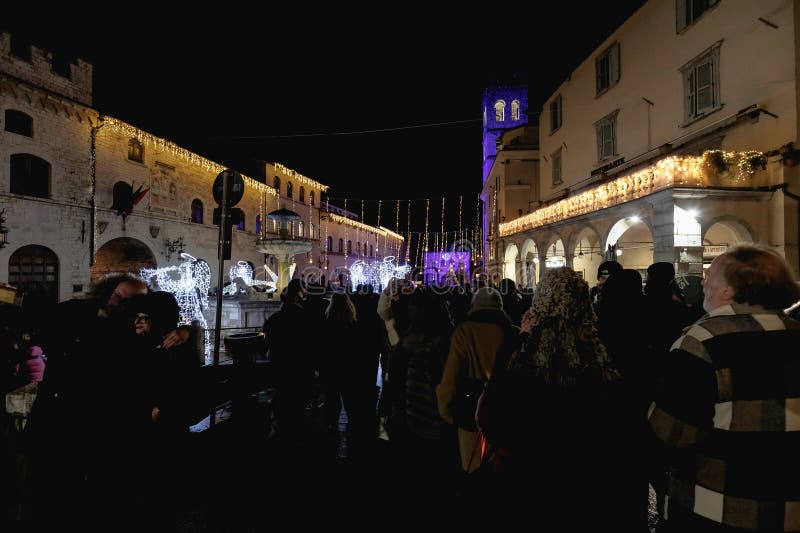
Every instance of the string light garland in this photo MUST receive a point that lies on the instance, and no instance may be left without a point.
(397, 227)
(427, 214)
(408, 228)
(346, 247)
(377, 237)
(460, 210)
(443, 234)
(325, 245)
(299, 177)
(123, 128)
(477, 235)
(675, 171)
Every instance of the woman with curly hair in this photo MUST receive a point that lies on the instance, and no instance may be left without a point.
(572, 427)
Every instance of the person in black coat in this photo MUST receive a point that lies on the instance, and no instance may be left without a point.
(294, 358)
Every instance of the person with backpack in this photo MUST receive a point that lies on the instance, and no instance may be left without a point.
(473, 348)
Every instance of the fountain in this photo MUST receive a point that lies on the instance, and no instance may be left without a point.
(284, 247)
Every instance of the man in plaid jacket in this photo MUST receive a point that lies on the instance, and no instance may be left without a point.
(728, 411)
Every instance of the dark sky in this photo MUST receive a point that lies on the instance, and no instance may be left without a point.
(375, 104)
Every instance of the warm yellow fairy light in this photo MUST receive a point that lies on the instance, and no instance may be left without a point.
(676, 171)
(408, 229)
(143, 137)
(299, 177)
(377, 239)
(397, 226)
(444, 237)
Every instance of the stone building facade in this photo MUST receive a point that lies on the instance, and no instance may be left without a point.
(85, 194)
(673, 140)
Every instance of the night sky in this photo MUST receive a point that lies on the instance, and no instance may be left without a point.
(376, 104)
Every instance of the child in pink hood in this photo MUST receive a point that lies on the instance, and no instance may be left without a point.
(32, 368)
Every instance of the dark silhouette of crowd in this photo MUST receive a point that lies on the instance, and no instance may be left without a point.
(658, 402)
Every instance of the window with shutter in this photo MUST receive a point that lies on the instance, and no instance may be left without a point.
(555, 114)
(606, 129)
(688, 11)
(607, 68)
(555, 159)
(701, 84)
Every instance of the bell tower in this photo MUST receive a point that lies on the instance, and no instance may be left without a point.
(504, 107)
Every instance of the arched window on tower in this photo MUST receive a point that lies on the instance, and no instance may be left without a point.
(241, 225)
(499, 111)
(515, 110)
(349, 247)
(276, 182)
(329, 245)
(289, 191)
(341, 246)
(30, 175)
(258, 224)
(311, 197)
(197, 211)
(302, 194)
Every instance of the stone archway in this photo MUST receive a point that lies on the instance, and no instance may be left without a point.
(122, 255)
(510, 262)
(634, 244)
(587, 254)
(722, 234)
(727, 232)
(556, 254)
(529, 257)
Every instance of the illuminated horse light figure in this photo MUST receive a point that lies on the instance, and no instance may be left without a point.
(189, 283)
(242, 270)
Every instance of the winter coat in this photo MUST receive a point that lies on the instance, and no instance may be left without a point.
(473, 349)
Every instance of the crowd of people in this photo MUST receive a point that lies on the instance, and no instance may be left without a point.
(590, 402)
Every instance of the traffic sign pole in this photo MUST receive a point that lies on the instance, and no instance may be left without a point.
(223, 219)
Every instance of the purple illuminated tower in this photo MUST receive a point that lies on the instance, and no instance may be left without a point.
(504, 107)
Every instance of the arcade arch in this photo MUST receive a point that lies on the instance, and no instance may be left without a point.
(529, 263)
(632, 242)
(121, 255)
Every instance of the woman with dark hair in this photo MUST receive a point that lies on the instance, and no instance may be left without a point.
(169, 395)
(174, 382)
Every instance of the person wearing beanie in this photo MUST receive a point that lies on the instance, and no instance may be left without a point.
(486, 298)
(604, 271)
(473, 349)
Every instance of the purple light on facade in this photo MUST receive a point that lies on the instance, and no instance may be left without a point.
(449, 268)
(509, 104)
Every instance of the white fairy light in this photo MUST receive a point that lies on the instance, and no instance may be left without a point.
(377, 273)
(189, 283)
(243, 270)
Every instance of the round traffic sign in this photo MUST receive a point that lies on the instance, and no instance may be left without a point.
(235, 188)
